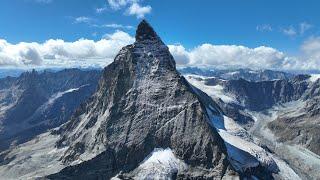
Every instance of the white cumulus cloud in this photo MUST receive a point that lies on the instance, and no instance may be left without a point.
(140, 11)
(133, 7)
(53, 53)
(118, 4)
(230, 56)
(226, 56)
(304, 26)
(116, 26)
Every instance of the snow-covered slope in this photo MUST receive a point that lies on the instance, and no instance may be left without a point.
(160, 164)
(300, 114)
(314, 77)
(215, 91)
(244, 151)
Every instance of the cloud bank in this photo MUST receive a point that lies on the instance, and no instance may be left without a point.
(231, 56)
(58, 53)
(85, 53)
(226, 56)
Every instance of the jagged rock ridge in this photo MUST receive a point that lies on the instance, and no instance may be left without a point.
(35, 102)
(142, 103)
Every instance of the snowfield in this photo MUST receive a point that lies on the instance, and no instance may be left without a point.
(160, 164)
(243, 149)
(215, 92)
(314, 77)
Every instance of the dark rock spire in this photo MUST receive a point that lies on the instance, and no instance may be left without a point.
(145, 32)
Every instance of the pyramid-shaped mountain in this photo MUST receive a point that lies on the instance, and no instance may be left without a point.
(145, 121)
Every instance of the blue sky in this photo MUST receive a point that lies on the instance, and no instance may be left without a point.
(283, 25)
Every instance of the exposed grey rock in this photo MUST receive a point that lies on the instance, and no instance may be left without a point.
(148, 105)
(258, 96)
(36, 102)
(300, 128)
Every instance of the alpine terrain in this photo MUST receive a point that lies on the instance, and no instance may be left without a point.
(147, 121)
(35, 102)
(282, 113)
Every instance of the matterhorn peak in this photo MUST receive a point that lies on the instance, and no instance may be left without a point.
(146, 32)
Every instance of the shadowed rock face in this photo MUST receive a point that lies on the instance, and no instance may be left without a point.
(142, 103)
(258, 96)
(36, 102)
(301, 127)
(146, 33)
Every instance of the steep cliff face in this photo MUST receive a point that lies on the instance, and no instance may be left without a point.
(301, 125)
(258, 96)
(142, 103)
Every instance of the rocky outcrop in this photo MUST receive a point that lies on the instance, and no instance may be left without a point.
(301, 127)
(258, 96)
(36, 102)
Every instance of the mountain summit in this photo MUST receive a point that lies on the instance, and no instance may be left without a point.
(146, 32)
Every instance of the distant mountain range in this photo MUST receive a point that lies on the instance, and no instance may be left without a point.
(235, 74)
(35, 102)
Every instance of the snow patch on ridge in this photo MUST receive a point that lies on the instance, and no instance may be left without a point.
(60, 94)
(242, 151)
(314, 77)
(52, 100)
(215, 92)
(160, 164)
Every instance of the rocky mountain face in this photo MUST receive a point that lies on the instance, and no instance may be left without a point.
(261, 95)
(283, 114)
(35, 102)
(146, 121)
(142, 103)
(302, 125)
